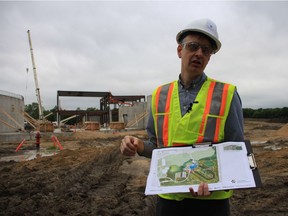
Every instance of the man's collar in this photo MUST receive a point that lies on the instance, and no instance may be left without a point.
(194, 82)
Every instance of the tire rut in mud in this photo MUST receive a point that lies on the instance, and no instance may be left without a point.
(82, 182)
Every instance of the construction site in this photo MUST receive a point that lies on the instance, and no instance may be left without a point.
(114, 112)
(82, 172)
(79, 170)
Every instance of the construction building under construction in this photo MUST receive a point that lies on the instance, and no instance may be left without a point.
(115, 112)
(105, 115)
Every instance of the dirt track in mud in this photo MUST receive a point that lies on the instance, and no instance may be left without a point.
(91, 177)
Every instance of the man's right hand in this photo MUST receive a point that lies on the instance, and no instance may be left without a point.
(131, 145)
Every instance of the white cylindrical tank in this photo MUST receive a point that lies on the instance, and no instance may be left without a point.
(11, 112)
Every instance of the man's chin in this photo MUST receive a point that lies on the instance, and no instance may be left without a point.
(196, 71)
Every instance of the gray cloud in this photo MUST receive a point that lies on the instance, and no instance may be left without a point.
(130, 48)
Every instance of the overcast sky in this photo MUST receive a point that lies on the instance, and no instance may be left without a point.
(129, 48)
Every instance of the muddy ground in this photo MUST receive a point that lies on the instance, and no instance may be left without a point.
(90, 176)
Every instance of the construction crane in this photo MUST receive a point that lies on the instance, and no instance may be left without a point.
(41, 116)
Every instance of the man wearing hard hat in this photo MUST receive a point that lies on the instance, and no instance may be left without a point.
(191, 110)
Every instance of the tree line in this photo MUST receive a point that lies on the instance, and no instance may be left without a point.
(267, 113)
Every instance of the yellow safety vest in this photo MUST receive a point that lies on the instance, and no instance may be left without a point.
(205, 121)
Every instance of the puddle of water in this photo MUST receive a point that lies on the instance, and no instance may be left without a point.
(27, 155)
(258, 142)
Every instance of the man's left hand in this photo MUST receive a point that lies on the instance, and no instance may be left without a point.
(202, 190)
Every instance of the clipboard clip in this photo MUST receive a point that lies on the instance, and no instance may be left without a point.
(252, 161)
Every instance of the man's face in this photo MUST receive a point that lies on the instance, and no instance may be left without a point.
(194, 60)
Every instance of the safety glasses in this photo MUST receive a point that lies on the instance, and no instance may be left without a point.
(193, 47)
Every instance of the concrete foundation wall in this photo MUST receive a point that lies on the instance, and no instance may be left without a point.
(13, 137)
(132, 114)
(11, 109)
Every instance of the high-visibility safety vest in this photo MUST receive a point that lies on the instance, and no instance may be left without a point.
(205, 121)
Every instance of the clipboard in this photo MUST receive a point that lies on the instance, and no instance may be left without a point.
(253, 164)
(224, 166)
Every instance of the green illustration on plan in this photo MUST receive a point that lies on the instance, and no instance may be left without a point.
(188, 168)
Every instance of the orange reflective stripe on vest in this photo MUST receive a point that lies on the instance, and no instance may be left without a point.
(215, 106)
(221, 112)
(163, 100)
(206, 112)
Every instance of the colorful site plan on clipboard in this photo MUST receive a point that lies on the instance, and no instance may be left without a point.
(227, 165)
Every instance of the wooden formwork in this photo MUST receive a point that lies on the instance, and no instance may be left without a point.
(89, 125)
(46, 126)
(117, 125)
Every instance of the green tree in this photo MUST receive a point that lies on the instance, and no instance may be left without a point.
(248, 112)
(32, 110)
(51, 114)
(280, 114)
(91, 109)
(284, 112)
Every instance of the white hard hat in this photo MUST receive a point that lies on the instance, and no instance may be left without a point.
(204, 26)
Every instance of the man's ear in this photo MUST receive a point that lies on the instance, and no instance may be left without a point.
(179, 49)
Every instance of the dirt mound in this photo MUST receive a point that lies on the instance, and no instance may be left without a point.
(271, 199)
(283, 131)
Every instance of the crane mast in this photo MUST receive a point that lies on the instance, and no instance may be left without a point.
(41, 117)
